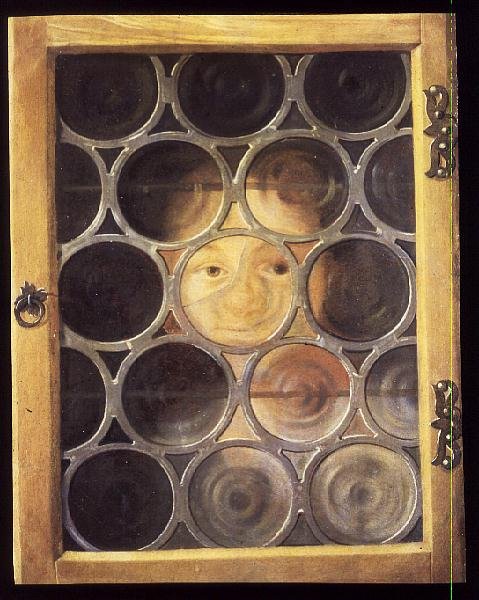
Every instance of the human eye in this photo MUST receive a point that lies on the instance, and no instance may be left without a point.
(275, 268)
(213, 271)
(210, 270)
(280, 267)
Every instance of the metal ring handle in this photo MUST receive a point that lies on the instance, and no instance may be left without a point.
(31, 301)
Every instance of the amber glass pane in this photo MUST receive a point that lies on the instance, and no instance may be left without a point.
(389, 183)
(240, 496)
(358, 290)
(237, 290)
(105, 96)
(120, 500)
(82, 398)
(175, 394)
(110, 291)
(170, 190)
(363, 494)
(391, 392)
(297, 186)
(300, 392)
(355, 91)
(230, 94)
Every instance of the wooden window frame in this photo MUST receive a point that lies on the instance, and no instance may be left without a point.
(38, 556)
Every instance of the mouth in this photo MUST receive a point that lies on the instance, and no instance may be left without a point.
(250, 328)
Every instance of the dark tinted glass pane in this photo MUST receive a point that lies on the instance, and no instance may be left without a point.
(297, 186)
(105, 96)
(230, 94)
(110, 291)
(82, 398)
(77, 191)
(389, 183)
(300, 392)
(170, 190)
(363, 494)
(391, 392)
(355, 91)
(240, 496)
(358, 290)
(175, 394)
(120, 500)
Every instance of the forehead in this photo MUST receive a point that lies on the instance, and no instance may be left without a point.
(236, 248)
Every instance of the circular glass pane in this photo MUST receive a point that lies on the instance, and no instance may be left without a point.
(391, 392)
(170, 190)
(105, 96)
(358, 289)
(240, 496)
(300, 392)
(110, 291)
(355, 91)
(237, 290)
(82, 398)
(175, 394)
(363, 494)
(297, 186)
(77, 191)
(230, 95)
(389, 184)
(120, 500)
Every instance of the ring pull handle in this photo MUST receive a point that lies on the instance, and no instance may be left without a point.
(30, 301)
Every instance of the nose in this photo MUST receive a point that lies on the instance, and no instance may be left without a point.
(246, 295)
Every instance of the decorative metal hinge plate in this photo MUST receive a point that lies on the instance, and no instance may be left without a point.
(30, 301)
(449, 424)
(444, 129)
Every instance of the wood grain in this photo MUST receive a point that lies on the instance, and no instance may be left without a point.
(366, 564)
(437, 309)
(36, 460)
(194, 33)
(33, 42)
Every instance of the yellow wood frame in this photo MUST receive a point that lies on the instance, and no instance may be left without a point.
(38, 556)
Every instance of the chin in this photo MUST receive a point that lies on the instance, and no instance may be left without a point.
(247, 336)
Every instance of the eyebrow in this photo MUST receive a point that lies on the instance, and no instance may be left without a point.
(206, 254)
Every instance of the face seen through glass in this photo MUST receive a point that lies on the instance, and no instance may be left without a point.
(237, 290)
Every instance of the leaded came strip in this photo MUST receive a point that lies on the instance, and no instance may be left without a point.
(231, 237)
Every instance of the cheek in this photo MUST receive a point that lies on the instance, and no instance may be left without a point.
(278, 290)
(196, 288)
(317, 287)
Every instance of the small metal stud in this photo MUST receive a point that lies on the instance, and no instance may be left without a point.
(442, 146)
(448, 436)
(441, 172)
(446, 411)
(445, 462)
(444, 130)
(433, 89)
(439, 114)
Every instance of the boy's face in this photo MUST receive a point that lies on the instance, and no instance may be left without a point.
(237, 290)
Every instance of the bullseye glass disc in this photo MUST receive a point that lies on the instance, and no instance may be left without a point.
(230, 95)
(391, 392)
(297, 186)
(120, 500)
(355, 91)
(359, 290)
(363, 494)
(175, 394)
(240, 496)
(300, 392)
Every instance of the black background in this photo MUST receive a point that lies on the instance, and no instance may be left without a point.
(468, 68)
